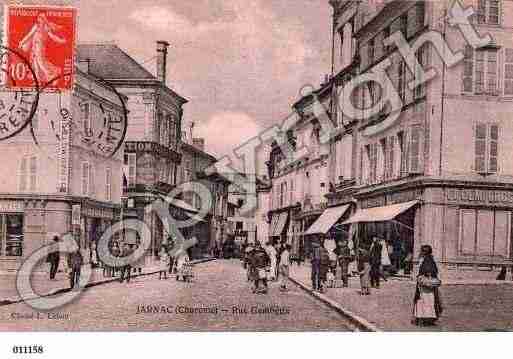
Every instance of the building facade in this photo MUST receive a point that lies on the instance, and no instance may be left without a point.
(153, 139)
(54, 169)
(440, 173)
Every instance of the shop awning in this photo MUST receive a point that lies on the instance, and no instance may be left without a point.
(327, 219)
(380, 214)
(280, 224)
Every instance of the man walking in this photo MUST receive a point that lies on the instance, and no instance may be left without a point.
(260, 260)
(375, 262)
(75, 262)
(316, 266)
(284, 267)
(54, 258)
(126, 269)
(344, 257)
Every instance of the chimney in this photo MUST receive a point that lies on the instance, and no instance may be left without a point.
(199, 143)
(162, 60)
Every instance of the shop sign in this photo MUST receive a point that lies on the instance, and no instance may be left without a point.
(12, 206)
(479, 196)
(405, 196)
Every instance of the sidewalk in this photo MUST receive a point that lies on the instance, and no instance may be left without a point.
(469, 305)
(44, 287)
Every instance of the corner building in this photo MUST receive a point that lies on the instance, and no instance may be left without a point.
(441, 173)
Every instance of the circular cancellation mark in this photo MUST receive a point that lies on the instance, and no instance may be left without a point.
(99, 129)
(17, 105)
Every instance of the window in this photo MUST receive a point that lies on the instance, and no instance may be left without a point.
(423, 59)
(86, 174)
(23, 174)
(27, 178)
(85, 111)
(414, 149)
(12, 230)
(108, 184)
(371, 49)
(132, 169)
(480, 71)
(484, 232)
(372, 154)
(508, 72)
(468, 68)
(388, 155)
(401, 77)
(33, 173)
(403, 164)
(486, 148)
(488, 12)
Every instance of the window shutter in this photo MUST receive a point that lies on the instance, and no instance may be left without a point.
(491, 76)
(132, 166)
(468, 68)
(508, 72)
(481, 11)
(33, 173)
(23, 175)
(480, 148)
(391, 146)
(374, 163)
(85, 178)
(480, 72)
(493, 12)
(493, 148)
(364, 56)
(415, 149)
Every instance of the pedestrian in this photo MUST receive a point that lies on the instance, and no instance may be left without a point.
(75, 262)
(248, 252)
(279, 248)
(316, 266)
(181, 263)
(53, 258)
(375, 262)
(364, 271)
(260, 261)
(126, 269)
(94, 256)
(427, 304)
(164, 263)
(325, 263)
(285, 266)
(116, 252)
(344, 258)
(271, 253)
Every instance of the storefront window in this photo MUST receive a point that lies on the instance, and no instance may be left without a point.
(13, 234)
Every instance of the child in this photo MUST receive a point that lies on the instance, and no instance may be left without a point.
(330, 278)
(164, 263)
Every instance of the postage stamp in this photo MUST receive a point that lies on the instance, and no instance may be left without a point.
(46, 36)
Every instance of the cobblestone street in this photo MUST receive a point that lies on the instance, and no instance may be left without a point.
(218, 285)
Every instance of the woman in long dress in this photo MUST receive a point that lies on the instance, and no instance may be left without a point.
(427, 306)
(181, 261)
(271, 252)
(35, 43)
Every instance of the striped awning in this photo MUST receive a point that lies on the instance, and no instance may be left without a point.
(380, 214)
(327, 219)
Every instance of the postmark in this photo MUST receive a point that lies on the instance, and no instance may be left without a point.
(17, 107)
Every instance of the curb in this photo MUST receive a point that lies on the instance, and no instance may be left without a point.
(4, 302)
(359, 322)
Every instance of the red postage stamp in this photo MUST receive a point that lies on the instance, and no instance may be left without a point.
(44, 36)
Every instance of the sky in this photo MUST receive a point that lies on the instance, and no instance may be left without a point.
(240, 63)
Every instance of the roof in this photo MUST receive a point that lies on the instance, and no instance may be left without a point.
(192, 148)
(108, 61)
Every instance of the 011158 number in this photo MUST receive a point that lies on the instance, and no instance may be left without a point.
(32, 349)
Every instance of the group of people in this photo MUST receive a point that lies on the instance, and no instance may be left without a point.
(264, 264)
(179, 265)
(371, 261)
(77, 259)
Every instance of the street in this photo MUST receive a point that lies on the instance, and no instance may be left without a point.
(218, 299)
